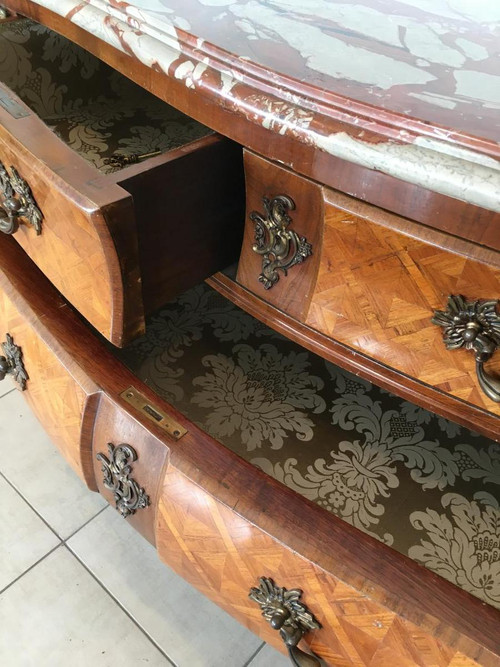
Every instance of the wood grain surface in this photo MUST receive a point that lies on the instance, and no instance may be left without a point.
(88, 243)
(115, 425)
(327, 548)
(63, 406)
(224, 555)
(373, 283)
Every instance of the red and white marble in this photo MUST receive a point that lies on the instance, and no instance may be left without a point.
(407, 87)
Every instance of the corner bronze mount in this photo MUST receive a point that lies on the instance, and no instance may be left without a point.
(285, 612)
(12, 363)
(475, 326)
(280, 247)
(18, 202)
(128, 495)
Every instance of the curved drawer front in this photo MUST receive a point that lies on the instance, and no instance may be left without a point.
(224, 556)
(128, 464)
(133, 201)
(374, 281)
(61, 404)
(74, 248)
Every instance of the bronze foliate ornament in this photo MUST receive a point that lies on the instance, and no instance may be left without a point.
(12, 363)
(475, 326)
(128, 495)
(280, 247)
(18, 202)
(284, 611)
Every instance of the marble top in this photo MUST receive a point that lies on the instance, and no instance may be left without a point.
(435, 60)
(422, 74)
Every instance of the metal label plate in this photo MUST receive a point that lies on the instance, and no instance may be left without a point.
(153, 413)
(11, 106)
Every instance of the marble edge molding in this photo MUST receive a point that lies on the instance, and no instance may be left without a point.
(429, 159)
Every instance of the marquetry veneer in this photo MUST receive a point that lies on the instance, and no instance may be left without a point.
(372, 284)
(119, 244)
(220, 522)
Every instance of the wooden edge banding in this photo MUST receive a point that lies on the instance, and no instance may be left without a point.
(87, 433)
(361, 561)
(427, 397)
(372, 568)
(418, 231)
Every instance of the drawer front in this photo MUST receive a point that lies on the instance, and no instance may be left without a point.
(64, 408)
(224, 555)
(96, 270)
(123, 449)
(265, 183)
(377, 283)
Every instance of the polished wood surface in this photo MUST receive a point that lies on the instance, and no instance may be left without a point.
(373, 283)
(242, 119)
(88, 243)
(292, 293)
(222, 542)
(224, 555)
(189, 205)
(116, 426)
(63, 401)
(279, 515)
(104, 237)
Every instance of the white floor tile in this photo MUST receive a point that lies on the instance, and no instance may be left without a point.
(269, 657)
(6, 388)
(24, 538)
(57, 615)
(36, 468)
(190, 629)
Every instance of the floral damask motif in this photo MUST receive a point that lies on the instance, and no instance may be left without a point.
(349, 485)
(70, 55)
(431, 464)
(173, 331)
(261, 392)
(463, 545)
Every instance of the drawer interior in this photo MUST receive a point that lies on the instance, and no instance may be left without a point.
(99, 113)
(423, 485)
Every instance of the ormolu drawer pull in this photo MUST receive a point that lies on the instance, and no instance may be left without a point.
(280, 247)
(474, 325)
(128, 495)
(18, 202)
(285, 612)
(12, 363)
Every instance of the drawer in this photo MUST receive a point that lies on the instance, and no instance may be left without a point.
(370, 281)
(241, 456)
(60, 393)
(116, 239)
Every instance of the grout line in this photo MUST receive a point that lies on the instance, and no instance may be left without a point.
(125, 611)
(31, 506)
(254, 655)
(29, 568)
(8, 392)
(62, 540)
(85, 524)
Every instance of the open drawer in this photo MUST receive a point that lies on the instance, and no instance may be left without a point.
(241, 455)
(116, 238)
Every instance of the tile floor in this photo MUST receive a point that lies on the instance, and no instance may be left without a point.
(72, 594)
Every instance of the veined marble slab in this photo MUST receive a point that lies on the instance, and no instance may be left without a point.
(407, 87)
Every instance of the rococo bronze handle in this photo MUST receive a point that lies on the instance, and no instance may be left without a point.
(280, 247)
(128, 495)
(474, 325)
(12, 363)
(18, 202)
(285, 612)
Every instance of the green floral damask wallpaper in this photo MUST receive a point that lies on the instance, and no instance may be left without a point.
(95, 110)
(411, 479)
